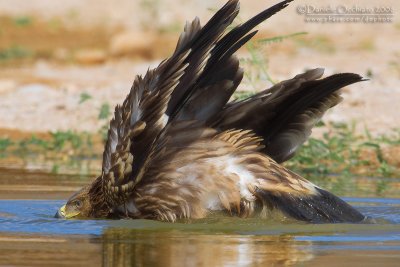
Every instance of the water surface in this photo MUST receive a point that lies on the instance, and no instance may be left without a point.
(29, 235)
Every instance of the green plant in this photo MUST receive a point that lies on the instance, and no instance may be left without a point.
(15, 52)
(23, 21)
(257, 62)
(105, 111)
(104, 115)
(342, 151)
(83, 97)
(5, 143)
(61, 138)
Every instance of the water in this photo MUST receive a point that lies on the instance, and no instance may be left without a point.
(29, 235)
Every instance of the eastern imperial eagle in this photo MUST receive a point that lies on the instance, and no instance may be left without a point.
(177, 149)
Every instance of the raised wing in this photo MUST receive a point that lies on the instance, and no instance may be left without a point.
(135, 127)
(205, 96)
(181, 88)
(285, 114)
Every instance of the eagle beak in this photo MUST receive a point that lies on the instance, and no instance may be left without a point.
(60, 213)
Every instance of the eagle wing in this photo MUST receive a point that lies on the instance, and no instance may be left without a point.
(178, 89)
(285, 113)
(198, 169)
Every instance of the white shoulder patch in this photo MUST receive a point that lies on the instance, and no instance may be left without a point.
(246, 178)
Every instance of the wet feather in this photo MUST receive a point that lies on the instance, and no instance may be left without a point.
(178, 149)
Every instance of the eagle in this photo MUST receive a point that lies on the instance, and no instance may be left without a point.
(179, 149)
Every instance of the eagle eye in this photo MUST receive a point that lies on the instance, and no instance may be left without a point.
(78, 204)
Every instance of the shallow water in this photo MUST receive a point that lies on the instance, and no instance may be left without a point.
(29, 235)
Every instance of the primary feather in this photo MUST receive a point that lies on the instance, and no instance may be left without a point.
(177, 148)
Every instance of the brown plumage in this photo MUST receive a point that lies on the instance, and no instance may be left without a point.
(178, 149)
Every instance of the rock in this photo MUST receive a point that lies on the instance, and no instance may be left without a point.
(129, 42)
(90, 56)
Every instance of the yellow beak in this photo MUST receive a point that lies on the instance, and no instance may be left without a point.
(61, 213)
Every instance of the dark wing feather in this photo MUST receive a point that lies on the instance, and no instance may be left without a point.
(324, 207)
(285, 114)
(282, 189)
(212, 71)
(218, 69)
(136, 125)
(239, 32)
(201, 43)
(208, 101)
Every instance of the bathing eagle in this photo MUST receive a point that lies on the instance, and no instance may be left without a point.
(177, 147)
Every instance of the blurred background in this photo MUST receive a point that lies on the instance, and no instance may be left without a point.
(64, 65)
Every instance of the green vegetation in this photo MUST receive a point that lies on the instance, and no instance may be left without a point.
(105, 111)
(60, 151)
(64, 151)
(104, 115)
(23, 21)
(15, 52)
(256, 64)
(342, 151)
(84, 97)
(5, 143)
(59, 141)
